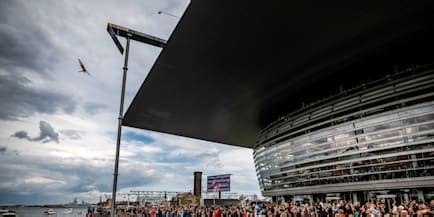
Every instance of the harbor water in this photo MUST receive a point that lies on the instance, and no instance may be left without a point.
(39, 212)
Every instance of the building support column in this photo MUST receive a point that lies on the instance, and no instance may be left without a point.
(405, 195)
(355, 199)
(420, 195)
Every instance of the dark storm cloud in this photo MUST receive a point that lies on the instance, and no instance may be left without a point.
(8, 197)
(24, 44)
(91, 179)
(20, 99)
(22, 135)
(79, 175)
(46, 134)
(93, 108)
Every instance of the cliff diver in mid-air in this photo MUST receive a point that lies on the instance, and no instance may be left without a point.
(83, 69)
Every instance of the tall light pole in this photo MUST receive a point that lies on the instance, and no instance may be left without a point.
(129, 34)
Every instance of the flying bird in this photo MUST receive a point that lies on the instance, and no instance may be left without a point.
(83, 69)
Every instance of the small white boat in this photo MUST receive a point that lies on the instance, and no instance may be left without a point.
(7, 213)
(68, 211)
(50, 212)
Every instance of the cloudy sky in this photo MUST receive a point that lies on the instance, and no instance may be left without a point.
(58, 127)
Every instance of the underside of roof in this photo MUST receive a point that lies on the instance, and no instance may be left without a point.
(232, 67)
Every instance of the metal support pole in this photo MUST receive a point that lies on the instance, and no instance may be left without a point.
(128, 201)
(118, 141)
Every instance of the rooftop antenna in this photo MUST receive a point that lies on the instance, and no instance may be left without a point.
(167, 13)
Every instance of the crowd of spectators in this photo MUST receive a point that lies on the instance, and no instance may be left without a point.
(268, 209)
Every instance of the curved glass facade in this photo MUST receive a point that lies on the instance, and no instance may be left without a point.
(374, 137)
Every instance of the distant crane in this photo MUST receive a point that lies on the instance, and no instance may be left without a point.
(83, 69)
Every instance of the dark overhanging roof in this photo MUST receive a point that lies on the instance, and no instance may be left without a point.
(231, 67)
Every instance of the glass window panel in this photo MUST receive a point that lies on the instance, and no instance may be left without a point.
(425, 109)
(319, 141)
(343, 136)
(383, 126)
(381, 119)
(322, 133)
(419, 119)
(425, 127)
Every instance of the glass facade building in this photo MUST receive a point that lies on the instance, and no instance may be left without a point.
(372, 141)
